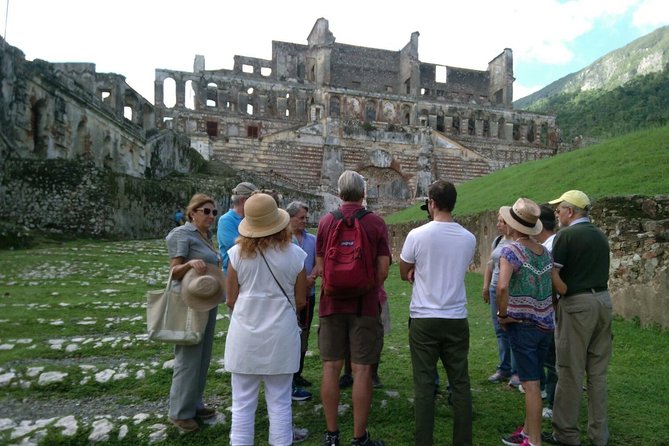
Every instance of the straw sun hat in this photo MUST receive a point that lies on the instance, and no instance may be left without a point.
(523, 216)
(262, 217)
(203, 292)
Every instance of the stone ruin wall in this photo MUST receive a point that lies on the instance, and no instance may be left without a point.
(69, 111)
(638, 231)
(263, 111)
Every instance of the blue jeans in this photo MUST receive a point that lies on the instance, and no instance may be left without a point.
(530, 347)
(507, 362)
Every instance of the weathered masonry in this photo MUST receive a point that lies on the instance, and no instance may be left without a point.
(314, 110)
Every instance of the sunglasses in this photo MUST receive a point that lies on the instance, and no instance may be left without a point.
(208, 211)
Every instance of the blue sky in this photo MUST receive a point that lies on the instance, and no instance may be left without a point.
(549, 38)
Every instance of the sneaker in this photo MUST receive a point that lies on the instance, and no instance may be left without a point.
(516, 438)
(300, 394)
(345, 381)
(520, 388)
(547, 437)
(547, 413)
(376, 382)
(366, 441)
(514, 381)
(189, 425)
(331, 439)
(526, 442)
(300, 434)
(299, 381)
(497, 377)
(544, 394)
(205, 413)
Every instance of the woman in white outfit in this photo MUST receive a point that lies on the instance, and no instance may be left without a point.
(266, 284)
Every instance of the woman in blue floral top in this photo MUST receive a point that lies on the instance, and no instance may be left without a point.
(525, 303)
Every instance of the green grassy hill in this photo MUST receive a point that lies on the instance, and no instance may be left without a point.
(636, 163)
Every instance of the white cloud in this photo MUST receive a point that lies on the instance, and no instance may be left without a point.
(651, 13)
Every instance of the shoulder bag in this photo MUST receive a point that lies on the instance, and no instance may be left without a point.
(170, 320)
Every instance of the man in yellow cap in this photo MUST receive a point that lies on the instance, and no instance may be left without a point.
(583, 332)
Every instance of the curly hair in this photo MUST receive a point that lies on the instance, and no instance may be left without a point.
(249, 246)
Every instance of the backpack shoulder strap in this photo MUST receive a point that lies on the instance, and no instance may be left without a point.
(361, 213)
(338, 215)
(496, 241)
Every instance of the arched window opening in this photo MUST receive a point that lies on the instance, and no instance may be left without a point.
(501, 129)
(266, 71)
(335, 105)
(212, 95)
(189, 98)
(39, 125)
(530, 132)
(370, 111)
(169, 92)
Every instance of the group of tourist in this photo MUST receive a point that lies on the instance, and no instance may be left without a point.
(549, 310)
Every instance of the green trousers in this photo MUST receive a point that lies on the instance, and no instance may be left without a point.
(446, 339)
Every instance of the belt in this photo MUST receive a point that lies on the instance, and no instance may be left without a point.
(588, 291)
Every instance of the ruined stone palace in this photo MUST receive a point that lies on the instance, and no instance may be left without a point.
(314, 110)
(298, 119)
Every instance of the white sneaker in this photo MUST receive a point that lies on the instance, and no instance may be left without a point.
(520, 388)
(547, 413)
(544, 395)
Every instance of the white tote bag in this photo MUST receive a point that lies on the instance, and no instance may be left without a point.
(170, 320)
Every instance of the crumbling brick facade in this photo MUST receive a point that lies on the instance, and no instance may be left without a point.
(341, 104)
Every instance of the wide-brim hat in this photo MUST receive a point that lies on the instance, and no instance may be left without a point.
(523, 216)
(202, 292)
(262, 217)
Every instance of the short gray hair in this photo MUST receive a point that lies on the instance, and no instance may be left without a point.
(294, 206)
(575, 209)
(351, 186)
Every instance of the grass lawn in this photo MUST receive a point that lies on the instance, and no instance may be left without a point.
(78, 308)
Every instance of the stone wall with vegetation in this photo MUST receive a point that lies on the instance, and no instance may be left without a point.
(75, 198)
(638, 232)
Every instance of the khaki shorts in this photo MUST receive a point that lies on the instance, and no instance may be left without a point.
(363, 334)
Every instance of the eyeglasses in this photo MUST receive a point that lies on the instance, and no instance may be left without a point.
(207, 211)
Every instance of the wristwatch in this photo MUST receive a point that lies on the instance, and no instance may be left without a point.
(502, 317)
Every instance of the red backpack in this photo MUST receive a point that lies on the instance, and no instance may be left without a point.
(347, 264)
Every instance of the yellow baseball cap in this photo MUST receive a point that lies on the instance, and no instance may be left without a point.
(575, 197)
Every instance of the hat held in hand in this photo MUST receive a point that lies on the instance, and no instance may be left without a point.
(202, 292)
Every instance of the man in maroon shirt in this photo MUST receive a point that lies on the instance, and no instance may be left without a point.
(353, 323)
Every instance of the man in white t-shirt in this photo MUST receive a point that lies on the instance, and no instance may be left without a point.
(435, 258)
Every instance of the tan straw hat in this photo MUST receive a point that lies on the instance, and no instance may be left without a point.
(523, 216)
(202, 292)
(262, 217)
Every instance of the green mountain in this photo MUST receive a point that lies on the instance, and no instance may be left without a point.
(645, 55)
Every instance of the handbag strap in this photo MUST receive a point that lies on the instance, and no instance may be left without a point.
(276, 280)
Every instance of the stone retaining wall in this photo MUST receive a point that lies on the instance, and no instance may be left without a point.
(638, 232)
